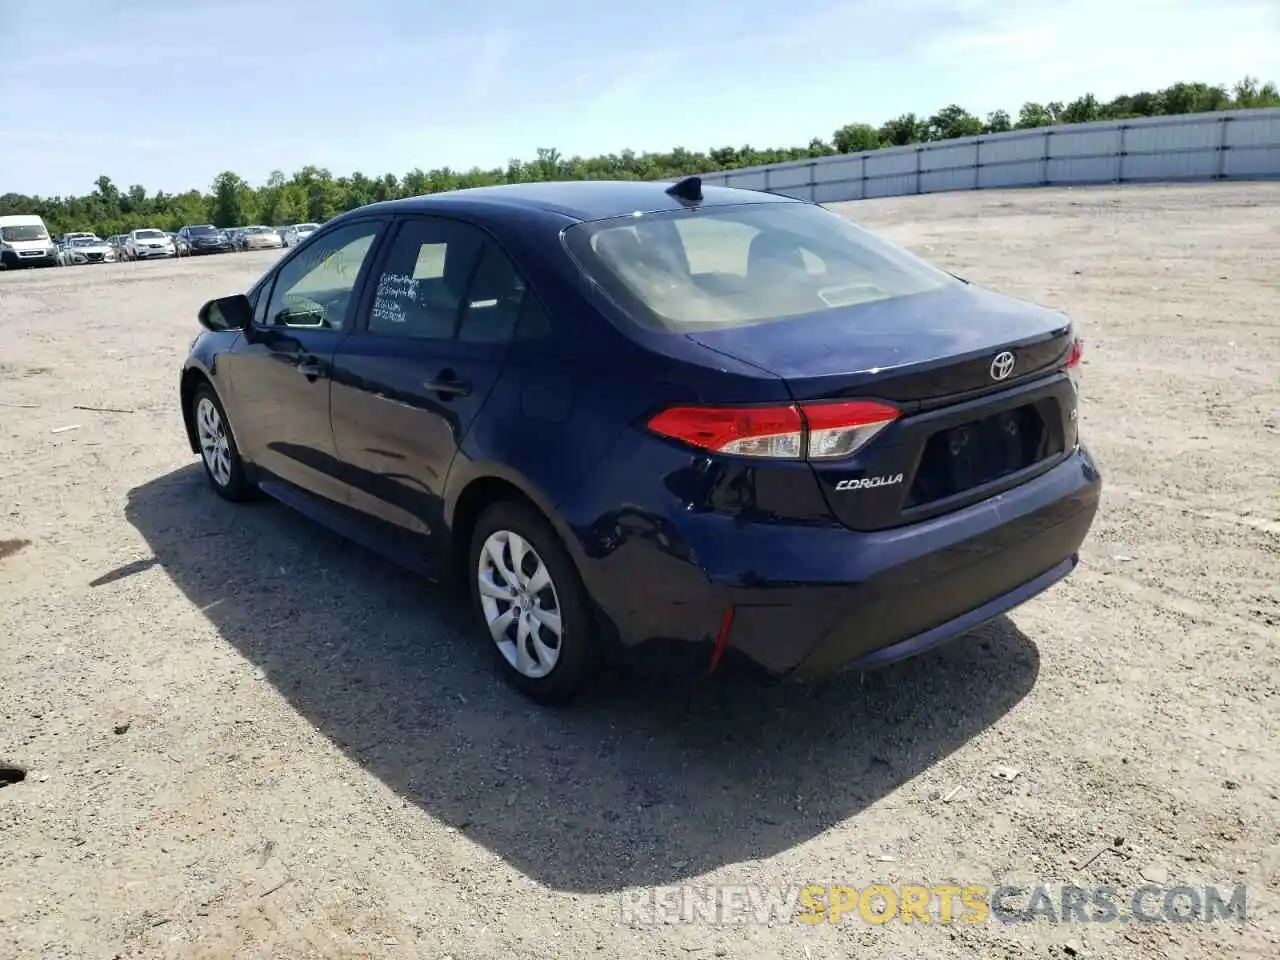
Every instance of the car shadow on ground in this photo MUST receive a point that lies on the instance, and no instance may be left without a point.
(647, 784)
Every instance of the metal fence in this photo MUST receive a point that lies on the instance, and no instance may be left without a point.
(1230, 145)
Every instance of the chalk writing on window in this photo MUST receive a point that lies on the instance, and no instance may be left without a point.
(392, 289)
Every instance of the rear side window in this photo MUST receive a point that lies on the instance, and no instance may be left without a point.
(420, 289)
(447, 280)
(729, 266)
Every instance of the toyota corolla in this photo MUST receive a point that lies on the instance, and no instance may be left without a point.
(675, 427)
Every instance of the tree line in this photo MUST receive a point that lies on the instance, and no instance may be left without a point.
(313, 194)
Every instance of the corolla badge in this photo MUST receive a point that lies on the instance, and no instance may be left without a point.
(863, 483)
(1002, 366)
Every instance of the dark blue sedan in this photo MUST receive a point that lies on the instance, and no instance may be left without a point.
(676, 427)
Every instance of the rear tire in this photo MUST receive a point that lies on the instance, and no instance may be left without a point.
(531, 605)
(219, 454)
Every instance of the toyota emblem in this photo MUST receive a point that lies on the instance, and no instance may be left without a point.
(1002, 366)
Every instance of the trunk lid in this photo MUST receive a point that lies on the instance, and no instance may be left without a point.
(970, 427)
(910, 350)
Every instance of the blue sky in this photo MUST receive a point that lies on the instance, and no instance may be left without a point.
(169, 94)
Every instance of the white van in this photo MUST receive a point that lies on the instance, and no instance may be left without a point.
(25, 242)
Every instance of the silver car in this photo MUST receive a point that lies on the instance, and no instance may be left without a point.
(295, 234)
(81, 250)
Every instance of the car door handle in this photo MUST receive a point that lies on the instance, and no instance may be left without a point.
(448, 387)
(311, 368)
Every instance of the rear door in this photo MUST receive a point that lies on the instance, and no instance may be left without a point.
(428, 347)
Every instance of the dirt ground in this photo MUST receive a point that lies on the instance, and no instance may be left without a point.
(246, 738)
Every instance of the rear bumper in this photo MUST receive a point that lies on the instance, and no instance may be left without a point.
(811, 601)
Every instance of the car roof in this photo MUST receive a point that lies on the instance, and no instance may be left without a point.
(573, 199)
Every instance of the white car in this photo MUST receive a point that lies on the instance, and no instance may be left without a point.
(87, 250)
(147, 244)
(259, 238)
(295, 234)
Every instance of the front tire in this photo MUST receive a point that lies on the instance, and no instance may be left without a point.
(531, 604)
(223, 466)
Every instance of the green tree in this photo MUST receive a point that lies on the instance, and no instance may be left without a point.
(997, 122)
(952, 122)
(903, 130)
(855, 137)
(1033, 115)
(231, 200)
(1083, 110)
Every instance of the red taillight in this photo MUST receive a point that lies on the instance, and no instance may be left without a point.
(776, 432)
(824, 430)
(839, 428)
(1076, 354)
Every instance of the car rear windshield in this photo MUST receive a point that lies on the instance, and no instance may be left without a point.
(255, 230)
(201, 231)
(148, 234)
(731, 266)
(17, 234)
(308, 227)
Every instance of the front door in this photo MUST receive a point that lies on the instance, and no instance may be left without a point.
(280, 370)
(428, 348)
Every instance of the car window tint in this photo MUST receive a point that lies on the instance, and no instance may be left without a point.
(313, 290)
(421, 287)
(744, 264)
(493, 300)
(430, 262)
(714, 246)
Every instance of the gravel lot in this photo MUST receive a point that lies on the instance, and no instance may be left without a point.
(244, 737)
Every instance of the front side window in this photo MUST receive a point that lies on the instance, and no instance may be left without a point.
(314, 290)
(729, 266)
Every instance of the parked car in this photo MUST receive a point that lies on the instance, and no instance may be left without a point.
(259, 238)
(295, 234)
(682, 427)
(204, 238)
(149, 244)
(180, 246)
(87, 249)
(25, 242)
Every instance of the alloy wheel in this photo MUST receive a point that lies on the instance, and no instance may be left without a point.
(214, 444)
(520, 603)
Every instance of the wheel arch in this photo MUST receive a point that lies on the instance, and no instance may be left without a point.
(194, 374)
(488, 485)
(192, 377)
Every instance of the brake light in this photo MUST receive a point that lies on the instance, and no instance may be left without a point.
(774, 432)
(840, 428)
(1076, 354)
(824, 430)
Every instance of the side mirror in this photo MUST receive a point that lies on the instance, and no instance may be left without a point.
(227, 313)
